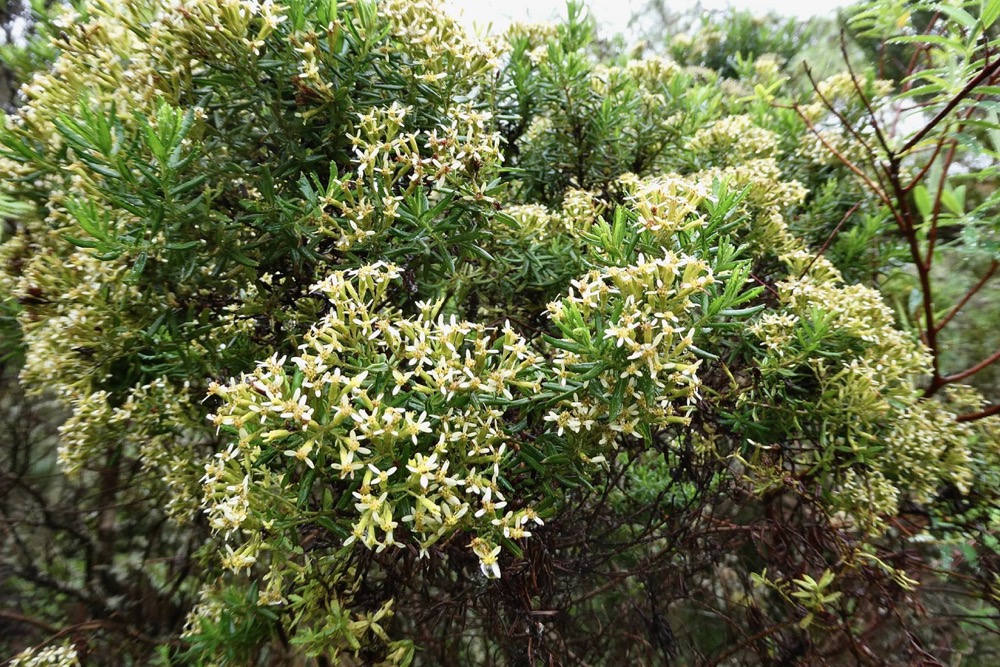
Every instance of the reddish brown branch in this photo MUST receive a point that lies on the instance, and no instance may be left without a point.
(829, 239)
(846, 161)
(976, 81)
(968, 295)
(28, 620)
(873, 120)
(927, 167)
(969, 372)
(938, 200)
(982, 414)
(833, 109)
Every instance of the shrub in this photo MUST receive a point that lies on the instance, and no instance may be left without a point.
(385, 344)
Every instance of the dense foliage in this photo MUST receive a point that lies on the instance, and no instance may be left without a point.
(372, 341)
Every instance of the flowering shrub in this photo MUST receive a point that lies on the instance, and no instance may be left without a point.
(382, 343)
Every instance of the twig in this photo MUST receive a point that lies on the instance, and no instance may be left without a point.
(829, 239)
(864, 99)
(985, 75)
(833, 109)
(993, 358)
(968, 295)
(982, 414)
(846, 162)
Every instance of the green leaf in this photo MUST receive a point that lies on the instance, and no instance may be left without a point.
(81, 243)
(615, 402)
(922, 199)
(186, 245)
(989, 12)
(306, 486)
(137, 269)
(563, 344)
(957, 14)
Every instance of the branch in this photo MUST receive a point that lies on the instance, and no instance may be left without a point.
(968, 295)
(843, 119)
(927, 167)
(829, 240)
(846, 162)
(27, 620)
(985, 75)
(864, 100)
(983, 414)
(938, 201)
(993, 358)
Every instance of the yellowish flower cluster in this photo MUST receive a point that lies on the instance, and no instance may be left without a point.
(78, 296)
(830, 138)
(652, 70)
(208, 609)
(535, 33)
(391, 163)
(734, 140)
(856, 311)
(649, 73)
(413, 438)
(767, 68)
(441, 51)
(668, 204)
(51, 656)
(840, 88)
(891, 442)
(536, 224)
(632, 320)
(823, 146)
(926, 449)
(770, 198)
(862, 500)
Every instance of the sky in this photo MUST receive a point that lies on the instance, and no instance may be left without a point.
(613, 15)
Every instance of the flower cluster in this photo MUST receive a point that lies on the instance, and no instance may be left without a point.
(842, 88)
(626, 332)
(440, 52)
(391, 163)
(871, 412)
(50, 656)
(735, 140)
(413, 439)
(668, 204)
(770, 199)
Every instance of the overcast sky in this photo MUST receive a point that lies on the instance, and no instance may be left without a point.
(613, 15)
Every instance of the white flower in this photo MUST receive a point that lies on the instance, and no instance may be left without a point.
(424, 467)
(302, 453)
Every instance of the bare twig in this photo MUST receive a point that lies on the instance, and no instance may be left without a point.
(968, 295)
(873, 120)
(969, 372)
(829, 239)
(982, 414)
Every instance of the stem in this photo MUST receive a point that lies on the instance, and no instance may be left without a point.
(968, 295)
(846, 162)
(985, 75)
(938, 199)
(829, 239)
(993, 358)
(982, 414)
(873, 120)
